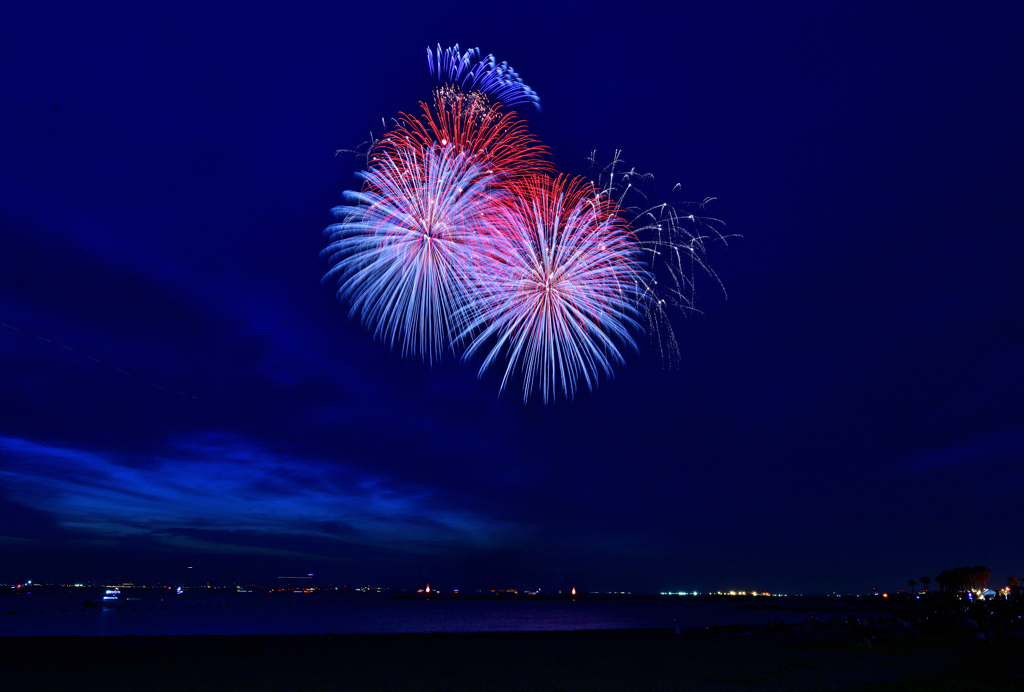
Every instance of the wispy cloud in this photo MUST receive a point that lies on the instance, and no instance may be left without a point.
(986, 450)
(218, 485)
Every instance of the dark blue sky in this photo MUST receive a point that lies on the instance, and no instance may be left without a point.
(851, 416)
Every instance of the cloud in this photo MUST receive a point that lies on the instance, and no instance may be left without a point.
(983, 451)
(224, 487)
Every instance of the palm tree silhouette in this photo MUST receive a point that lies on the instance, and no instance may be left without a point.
(912, 585)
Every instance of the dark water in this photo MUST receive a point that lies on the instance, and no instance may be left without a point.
(157, 612)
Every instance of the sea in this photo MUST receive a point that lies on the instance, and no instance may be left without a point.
(154, 612)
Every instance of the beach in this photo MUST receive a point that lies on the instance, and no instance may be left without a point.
(649, 659)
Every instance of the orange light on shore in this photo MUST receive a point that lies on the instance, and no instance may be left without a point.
(574, 591)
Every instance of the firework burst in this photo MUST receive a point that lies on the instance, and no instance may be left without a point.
(556, 288)
(401, 247)
(487, 75)
(490, 138)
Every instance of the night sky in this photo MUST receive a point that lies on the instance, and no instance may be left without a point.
(177, 387)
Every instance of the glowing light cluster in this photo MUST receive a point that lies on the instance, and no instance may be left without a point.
(463, 236)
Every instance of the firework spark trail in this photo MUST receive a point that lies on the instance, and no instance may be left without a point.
(674, 239)
(557, 287)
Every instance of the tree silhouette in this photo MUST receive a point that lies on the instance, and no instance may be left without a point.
(912, 585)
(925, 581)
(960, 579)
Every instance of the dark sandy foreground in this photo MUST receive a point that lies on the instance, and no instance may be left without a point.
(591, 660)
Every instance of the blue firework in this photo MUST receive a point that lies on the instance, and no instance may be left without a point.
(403, 247)
(473, 73)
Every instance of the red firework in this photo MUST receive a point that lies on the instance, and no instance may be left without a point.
(496, 141)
